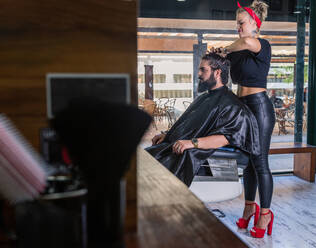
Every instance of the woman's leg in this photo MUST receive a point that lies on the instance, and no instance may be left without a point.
(264, 113)
(250, 188)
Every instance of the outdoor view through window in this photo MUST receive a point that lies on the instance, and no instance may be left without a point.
(173, 34)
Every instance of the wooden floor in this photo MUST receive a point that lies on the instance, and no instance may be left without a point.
(294, 206)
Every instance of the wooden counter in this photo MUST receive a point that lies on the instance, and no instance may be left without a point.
(169, 215)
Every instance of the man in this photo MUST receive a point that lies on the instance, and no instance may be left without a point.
(215, 119)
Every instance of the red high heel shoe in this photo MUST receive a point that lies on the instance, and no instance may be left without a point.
(243, 223)
(259, 233)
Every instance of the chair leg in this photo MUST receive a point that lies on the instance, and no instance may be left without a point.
(154, 123)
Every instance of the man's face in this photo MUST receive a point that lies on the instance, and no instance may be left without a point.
(206, 76)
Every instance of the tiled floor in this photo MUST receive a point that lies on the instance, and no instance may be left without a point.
(294, 206)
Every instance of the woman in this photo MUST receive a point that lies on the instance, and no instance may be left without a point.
(250, 62)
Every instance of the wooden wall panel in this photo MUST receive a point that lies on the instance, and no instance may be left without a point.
(155, 44)
(21, 96)
(71, 36)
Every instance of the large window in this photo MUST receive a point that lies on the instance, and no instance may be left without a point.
(159, 78)
(169, 31)
(182, 78)
(173, 93)
(141, 78)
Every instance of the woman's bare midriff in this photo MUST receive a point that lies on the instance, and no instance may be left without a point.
(245, 91)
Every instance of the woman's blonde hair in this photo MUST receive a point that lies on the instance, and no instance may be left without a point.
(260, 9)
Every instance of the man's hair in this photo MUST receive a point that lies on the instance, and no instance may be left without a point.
(218, 62)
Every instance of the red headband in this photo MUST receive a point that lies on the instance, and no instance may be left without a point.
(252, 14)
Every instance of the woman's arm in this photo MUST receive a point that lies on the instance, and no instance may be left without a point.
(245, 43)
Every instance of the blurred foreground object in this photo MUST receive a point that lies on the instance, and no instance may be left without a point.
(101, 138)
(22, 176)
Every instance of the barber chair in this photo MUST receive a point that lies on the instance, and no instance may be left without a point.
(209, 188)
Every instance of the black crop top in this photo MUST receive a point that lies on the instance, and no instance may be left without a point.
(251, 69)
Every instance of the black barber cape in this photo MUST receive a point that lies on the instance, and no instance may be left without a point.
(217, 111)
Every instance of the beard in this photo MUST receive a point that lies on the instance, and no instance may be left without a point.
(207, 84)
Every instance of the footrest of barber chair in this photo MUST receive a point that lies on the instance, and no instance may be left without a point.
(209, 190)
(241, 157)
(214, 191)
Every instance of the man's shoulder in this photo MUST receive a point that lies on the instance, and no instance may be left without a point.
(231, 99)
(222, 98)
(231, 102)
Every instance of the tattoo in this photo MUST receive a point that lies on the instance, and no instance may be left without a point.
(254, 32)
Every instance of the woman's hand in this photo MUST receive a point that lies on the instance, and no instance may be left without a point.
(157, 139)
(220, 51)
(181, 145)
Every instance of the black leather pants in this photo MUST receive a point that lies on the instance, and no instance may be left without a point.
(258, 173)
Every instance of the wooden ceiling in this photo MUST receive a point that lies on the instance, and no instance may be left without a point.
(176, 35)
